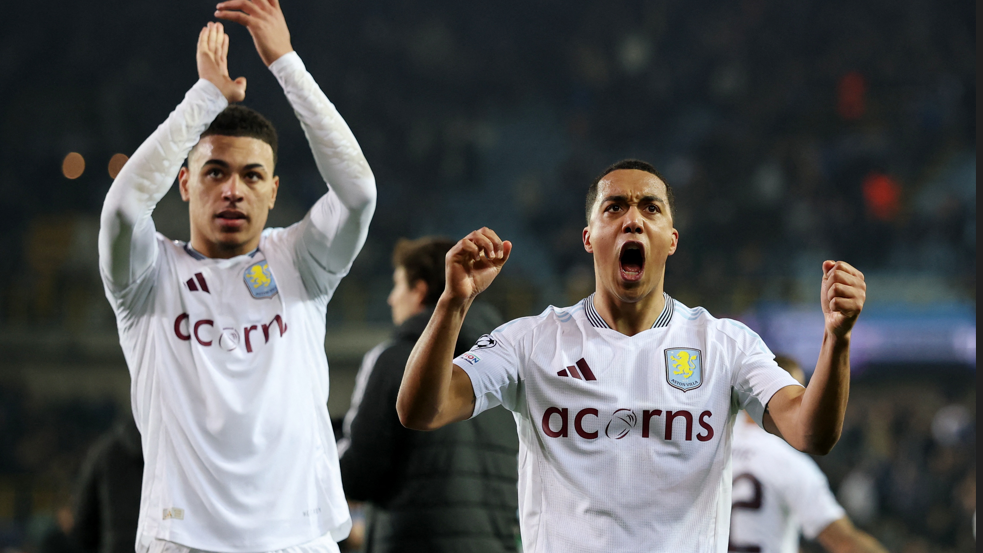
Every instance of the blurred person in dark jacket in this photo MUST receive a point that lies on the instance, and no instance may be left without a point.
(57, 537)
(453, 489)
(108, 497)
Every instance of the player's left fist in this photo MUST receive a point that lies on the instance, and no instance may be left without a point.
(843, 294)
(265, 22)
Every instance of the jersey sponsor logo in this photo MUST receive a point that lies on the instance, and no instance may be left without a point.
(204, 332)
(668, 425)
(622, 422)
(259, 279)
(196, 283)
(576, 370)
(684, 368)
(471, 358)
(486, 341)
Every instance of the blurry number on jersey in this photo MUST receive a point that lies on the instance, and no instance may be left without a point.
(752, 504)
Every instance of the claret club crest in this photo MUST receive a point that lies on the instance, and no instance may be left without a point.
(684, 368)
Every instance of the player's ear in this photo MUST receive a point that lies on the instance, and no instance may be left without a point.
(183, 176)
(420, 290)
(587, 244)
(276, 186)
(674, 241)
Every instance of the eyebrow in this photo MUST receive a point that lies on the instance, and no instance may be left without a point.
(624, 199)
(225, 165)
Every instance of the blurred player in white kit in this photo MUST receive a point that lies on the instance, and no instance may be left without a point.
(780, 493)
(224, 335)
(625, 401)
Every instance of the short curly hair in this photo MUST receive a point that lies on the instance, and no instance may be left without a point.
(238, 120)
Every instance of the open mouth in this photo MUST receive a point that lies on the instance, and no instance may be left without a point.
(632, 261)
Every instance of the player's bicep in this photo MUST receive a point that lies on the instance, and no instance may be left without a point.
(327, 241)
(780, 414)
(462, 398)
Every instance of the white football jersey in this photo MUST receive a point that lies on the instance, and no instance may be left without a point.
(624, 440)
(778, 491)
(229, 380)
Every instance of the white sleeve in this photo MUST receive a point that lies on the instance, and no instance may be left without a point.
(756, 377)
(127, 243)
(809, 498)
(493, 366)
(334, 230)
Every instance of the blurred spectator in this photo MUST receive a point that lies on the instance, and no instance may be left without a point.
(450, 490)
(912, 490)
(58, 539)
(108, 497)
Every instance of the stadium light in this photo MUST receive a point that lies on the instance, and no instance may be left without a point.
(116, 163)
(73, 165)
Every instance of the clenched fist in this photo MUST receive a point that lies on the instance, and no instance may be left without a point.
(473, 263)
(843, 294)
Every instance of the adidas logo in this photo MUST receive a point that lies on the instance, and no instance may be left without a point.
(572, 371)
(202, 285)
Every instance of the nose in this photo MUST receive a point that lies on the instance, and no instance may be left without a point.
(632, 221)
(231, 189)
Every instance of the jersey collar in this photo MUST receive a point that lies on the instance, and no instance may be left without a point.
(598, 322)
(199, 256)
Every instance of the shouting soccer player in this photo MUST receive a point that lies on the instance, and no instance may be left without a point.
(780, 493)
(224, 335)
(625, 402)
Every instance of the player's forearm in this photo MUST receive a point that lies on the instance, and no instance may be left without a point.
(425, 399)
(336, 152)
(126, 232)
(823, 404)
(865, 543)
(842, 536)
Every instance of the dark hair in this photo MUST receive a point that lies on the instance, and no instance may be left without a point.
(636, 164)
(237, 120)
(423, 259)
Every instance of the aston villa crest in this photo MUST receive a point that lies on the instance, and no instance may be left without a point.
(684, 368)
(259, 280)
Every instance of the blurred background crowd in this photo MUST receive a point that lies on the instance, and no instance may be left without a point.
(792, 133)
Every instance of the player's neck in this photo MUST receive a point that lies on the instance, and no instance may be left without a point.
(629, 317)
(213, 250)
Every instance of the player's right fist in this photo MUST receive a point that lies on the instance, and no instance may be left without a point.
(213, 63)
(473, 263)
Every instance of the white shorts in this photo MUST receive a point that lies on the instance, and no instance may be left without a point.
(324, 544)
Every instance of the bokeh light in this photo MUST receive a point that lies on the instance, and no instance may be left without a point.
(73, 165)
(116, 163)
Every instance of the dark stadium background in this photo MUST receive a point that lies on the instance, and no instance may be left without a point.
(792, 132)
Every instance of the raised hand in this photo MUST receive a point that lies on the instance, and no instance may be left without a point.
(473, 263)
(843, 294)
(213, 62)
(265, 22)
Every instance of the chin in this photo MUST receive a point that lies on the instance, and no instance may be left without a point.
(227, 242)
(633, 291)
